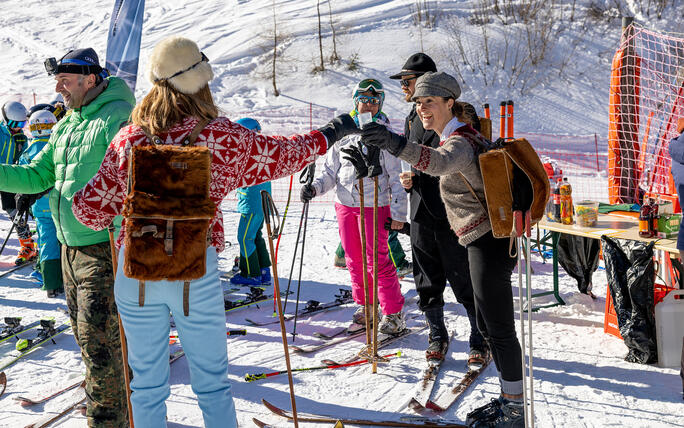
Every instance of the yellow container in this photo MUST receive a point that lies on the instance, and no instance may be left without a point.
(586, 213)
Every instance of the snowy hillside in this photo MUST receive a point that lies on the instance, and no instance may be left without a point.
(572, 98)
(581, 379)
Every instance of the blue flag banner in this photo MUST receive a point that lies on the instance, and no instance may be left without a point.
(123, 42)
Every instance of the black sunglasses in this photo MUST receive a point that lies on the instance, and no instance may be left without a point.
(405, 82)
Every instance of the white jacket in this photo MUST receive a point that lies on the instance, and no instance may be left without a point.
(340, 173)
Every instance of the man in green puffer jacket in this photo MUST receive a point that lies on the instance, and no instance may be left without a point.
(99, 106)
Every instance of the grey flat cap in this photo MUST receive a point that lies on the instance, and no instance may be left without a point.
(437, 84)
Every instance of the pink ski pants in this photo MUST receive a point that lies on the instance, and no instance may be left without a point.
(389, 290)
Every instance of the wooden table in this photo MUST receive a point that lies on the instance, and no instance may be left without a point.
(613, 225)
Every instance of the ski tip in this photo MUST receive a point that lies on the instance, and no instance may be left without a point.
(415, 405)
(3, 382)
(434, 406)
(260, 424)
(24, 402)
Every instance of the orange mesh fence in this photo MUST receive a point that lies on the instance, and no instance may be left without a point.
(646, 100)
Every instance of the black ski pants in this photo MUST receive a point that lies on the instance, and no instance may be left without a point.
(490, 270)
(438, 257)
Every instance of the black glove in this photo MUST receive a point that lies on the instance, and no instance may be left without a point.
(357, 158)
(373, 161)
(23, 203)
(339, 128)
(405, 229)
(374, 134)
(307, 193)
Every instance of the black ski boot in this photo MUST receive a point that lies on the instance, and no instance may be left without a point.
(438, 338)
(483, 413)
(436, 351)
(500, 413)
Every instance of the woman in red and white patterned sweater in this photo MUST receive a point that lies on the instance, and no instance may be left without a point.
(179, 98)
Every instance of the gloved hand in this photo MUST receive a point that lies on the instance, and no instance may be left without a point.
(355, 155)
(307, 193)
(23, 203)
(680, 125)
(339, 128)
(405, 229)
(374, 134)
(373, 161)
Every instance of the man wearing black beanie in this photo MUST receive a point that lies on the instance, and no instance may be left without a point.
(437, 255)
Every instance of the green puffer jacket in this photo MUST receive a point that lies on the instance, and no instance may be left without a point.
(71, 158)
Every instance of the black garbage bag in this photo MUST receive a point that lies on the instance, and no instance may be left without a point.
(579, 256)
(631, 274)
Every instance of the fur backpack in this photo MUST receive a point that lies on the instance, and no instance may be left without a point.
(514, 180)
(168, 213)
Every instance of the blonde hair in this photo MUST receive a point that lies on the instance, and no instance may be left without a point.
(164, 107)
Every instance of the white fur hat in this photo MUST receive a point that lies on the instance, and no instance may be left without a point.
(180, 61)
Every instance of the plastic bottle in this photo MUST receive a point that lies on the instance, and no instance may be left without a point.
(566, 213)
(556, 202)
(549, 204)
(645, 221)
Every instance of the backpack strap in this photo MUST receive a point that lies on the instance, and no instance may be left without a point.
(141, 293)
(189, 141)
(195, 132)
(186, 298)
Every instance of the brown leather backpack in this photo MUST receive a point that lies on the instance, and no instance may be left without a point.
(168, 213)
(514, 180)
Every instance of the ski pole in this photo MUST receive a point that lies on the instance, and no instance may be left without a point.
(279, 231)
(375, 275)
(7, 237)
(502, 119)
(294, 258)
(528, 287)
(268, 206)
(122, 333)
(258, 376)
(509, 117)
(364, 262)
(173, 338)
(305, 178)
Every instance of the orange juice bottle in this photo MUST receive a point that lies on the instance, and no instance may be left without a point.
(566, 202)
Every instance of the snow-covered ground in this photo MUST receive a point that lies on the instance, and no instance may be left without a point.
(580, 377)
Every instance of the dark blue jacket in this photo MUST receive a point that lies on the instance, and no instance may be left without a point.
(677, 154)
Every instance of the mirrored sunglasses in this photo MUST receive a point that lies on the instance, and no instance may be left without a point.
(406, 82)
(364, 99)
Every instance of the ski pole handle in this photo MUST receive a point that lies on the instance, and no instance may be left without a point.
(253, 377)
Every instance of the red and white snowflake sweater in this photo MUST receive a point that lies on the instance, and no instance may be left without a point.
(240, 158)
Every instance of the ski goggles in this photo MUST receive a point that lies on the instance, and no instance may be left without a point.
(368, 84)
(15, 124)
(40, 126)
(365, 99)
(74, 66)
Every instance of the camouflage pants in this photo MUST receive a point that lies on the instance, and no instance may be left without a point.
(89, 289)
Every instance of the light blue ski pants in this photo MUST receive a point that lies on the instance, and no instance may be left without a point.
(203, 337)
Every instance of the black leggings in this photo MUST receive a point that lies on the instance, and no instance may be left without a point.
(490, 270)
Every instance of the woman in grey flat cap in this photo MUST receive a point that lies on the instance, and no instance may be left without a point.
(491, 266)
